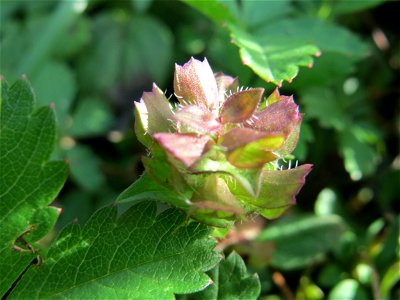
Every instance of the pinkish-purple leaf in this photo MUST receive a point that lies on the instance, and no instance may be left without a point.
(186, 148)
(198, 118)
(278, 190)
(226, 85)
(239, 137)
(194, 83)
(247, 148)
(291, 140)
(275, 96)
(240, 106)
(155, 111)
(280, 116)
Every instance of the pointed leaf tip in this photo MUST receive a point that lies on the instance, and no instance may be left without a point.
(186, 148)
(194, 83)
(248, 148)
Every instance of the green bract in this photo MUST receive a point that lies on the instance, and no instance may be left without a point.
(218, 148)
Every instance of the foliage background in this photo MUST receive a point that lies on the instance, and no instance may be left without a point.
(92, 60)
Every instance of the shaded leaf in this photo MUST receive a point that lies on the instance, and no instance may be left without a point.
(145, 188)
(28, 181)
(154, 256)
(92, 117)
(135, 55)
(322, 104)
(389, 280)
(85, 167)
(346, 7)
(360, 158)
(231, 281)
(299, 241)
(55, 83)
(215, 10)
(261, 13)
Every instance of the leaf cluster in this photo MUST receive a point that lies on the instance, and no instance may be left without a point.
(88, 60)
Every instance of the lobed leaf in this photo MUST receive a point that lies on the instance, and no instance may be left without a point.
(138, 255)
(231, 281)
(28, 181)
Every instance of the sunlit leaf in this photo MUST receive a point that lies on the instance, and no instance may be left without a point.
(198, 118)
(277, 192)
(240, 106)
(194, 83)
(186, 148)
(247, 148)
(28, 181)
(138, 255)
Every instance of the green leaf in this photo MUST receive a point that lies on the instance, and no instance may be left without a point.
(260, 13)
(55, 83)
(348, 289)
(389, 280)
(322, 34)
(308, 290)
(278, 189)
(77, 206)
(140, 255)
(231, 281)
(92, 117)
(215, 10)
(346, 7)
(135, 54)
(145, 188)
(302, 240)
(248, 178)
(85, 167)
(322, 104)
(360, 158)
(28, 182)
(58, 23)
(273, 59)
(141, 5)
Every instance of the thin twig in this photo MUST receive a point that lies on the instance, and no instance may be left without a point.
(280, 281)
